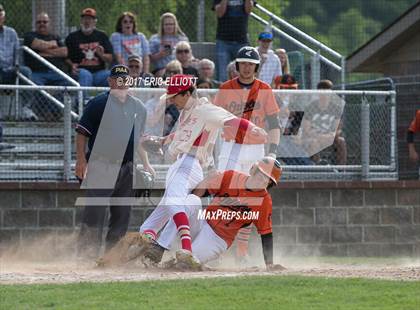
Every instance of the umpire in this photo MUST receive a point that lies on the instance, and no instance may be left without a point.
(107, 135)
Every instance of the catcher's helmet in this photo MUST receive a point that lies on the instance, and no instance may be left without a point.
(247, 54)
(268, 166)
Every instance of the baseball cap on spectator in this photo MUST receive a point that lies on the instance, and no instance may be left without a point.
(265, 36)
(89, 12)
(135, 57)
(177, 84)
(119, 71)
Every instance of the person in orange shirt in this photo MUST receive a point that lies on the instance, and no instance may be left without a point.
(250, 98)
(414, 127)
(239, 200)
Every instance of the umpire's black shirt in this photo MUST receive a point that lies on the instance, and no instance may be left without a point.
(118, 115)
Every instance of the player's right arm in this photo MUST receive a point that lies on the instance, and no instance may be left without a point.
(414, 127)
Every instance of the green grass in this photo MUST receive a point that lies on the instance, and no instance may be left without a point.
(265, 292)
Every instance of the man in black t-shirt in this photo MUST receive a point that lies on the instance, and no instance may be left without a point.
(50, 47)
(232, 31)
(89, 50)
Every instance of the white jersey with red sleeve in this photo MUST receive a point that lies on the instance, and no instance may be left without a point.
(197, 128)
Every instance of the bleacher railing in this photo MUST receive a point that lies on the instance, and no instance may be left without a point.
(318, 52)
(368, 126)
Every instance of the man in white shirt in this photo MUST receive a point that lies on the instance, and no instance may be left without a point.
(270, 66)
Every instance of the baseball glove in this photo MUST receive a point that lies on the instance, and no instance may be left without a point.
(131, 246)
(152, 144)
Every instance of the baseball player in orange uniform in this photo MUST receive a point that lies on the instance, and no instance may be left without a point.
(414, 127)
(239, 200)
(250, 98)
(191, 144)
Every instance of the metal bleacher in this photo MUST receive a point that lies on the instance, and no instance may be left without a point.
(38, 152)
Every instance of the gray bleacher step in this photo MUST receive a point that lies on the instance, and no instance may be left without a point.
(32, 130)
(36, 148)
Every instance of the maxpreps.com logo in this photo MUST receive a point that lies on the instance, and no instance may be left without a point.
(228, 215)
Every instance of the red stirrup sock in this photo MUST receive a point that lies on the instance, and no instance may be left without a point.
(183, 227)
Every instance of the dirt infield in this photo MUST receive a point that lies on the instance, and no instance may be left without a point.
(37, 263)
(24, 272)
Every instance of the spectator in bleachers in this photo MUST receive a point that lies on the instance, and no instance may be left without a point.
(231, 70)
(9, 63)
(184, 56)
(270, 66)
(284, 60)
(172, 68)
(89, 51)
(9, 52)
(232, 31)
(290, 122)
(204, 83)
(50, 47)
(414, 127)
(206, 71)
(163, 43)
(135, 66)
(321, 119)
(127, 41)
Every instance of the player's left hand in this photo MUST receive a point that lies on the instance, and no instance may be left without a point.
(275, 267)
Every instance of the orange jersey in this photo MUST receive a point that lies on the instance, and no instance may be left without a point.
(415, 124)
(253, 104)
(232, 184)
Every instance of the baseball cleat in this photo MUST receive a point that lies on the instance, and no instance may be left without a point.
(185, 260)
(154, 252)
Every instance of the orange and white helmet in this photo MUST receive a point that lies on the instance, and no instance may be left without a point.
(269, 167)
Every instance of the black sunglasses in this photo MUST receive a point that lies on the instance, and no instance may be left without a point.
(182, 51)
(42, 21)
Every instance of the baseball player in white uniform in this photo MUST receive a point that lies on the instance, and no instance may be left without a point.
(191, 144)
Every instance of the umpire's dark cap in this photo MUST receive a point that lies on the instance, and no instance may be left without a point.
(119, 71)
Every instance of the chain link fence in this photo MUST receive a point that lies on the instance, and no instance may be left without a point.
(44, 150)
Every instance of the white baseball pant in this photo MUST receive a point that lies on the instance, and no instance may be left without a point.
(206, 244)
(183, 176)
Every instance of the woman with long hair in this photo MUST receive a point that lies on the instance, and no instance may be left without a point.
(126, 41)
(162, 44)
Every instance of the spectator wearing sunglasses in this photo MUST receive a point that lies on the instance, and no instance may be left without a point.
(184, 56)
(127, 41)
(50, 47)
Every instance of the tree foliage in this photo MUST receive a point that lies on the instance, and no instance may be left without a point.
(342, 24)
